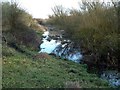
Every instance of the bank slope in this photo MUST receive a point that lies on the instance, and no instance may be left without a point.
(29, 71)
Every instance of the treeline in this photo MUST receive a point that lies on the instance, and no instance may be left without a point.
(95, 27)
(18, 27)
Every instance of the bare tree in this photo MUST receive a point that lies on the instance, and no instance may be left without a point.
(59, 11)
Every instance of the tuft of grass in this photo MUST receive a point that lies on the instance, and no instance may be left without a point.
(72, 85)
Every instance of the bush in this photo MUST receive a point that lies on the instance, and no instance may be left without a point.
(95, 29)
(13, 16)
(16, 26)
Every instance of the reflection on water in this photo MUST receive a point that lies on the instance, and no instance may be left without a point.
(56, 47)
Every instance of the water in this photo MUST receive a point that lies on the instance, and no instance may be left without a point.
(113, 77)
(67, 52)
(56, 47)
(48, 47)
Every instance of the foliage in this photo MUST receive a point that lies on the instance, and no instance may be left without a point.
(16, 26)
(95, 28)
(13, 15)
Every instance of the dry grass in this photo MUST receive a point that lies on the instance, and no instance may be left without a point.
(42, 56)
(70, 84)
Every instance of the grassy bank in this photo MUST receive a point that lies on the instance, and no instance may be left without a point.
(24, 67)
(21, 70)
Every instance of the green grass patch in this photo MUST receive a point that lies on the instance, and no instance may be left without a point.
(21, 71)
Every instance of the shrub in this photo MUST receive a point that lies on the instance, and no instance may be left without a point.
(13, 16)
(95, 29)
(16, 26)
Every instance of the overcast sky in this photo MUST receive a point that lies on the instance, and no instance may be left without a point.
(42, 8)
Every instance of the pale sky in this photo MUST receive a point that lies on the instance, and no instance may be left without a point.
(42, 8)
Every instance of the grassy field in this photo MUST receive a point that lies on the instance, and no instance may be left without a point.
(23, 67)
(24, 71)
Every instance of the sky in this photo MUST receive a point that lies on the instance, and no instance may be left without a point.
(43, 8)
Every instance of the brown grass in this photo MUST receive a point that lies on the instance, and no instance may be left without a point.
(42, 56)
(70, 84)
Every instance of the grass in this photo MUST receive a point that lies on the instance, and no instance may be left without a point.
(21, 68)
(22, 71)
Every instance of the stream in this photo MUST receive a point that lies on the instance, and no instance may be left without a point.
(59, 47)
(54, 44)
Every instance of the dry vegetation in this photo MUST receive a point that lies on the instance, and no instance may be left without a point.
(18, 26)
(94, 28)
